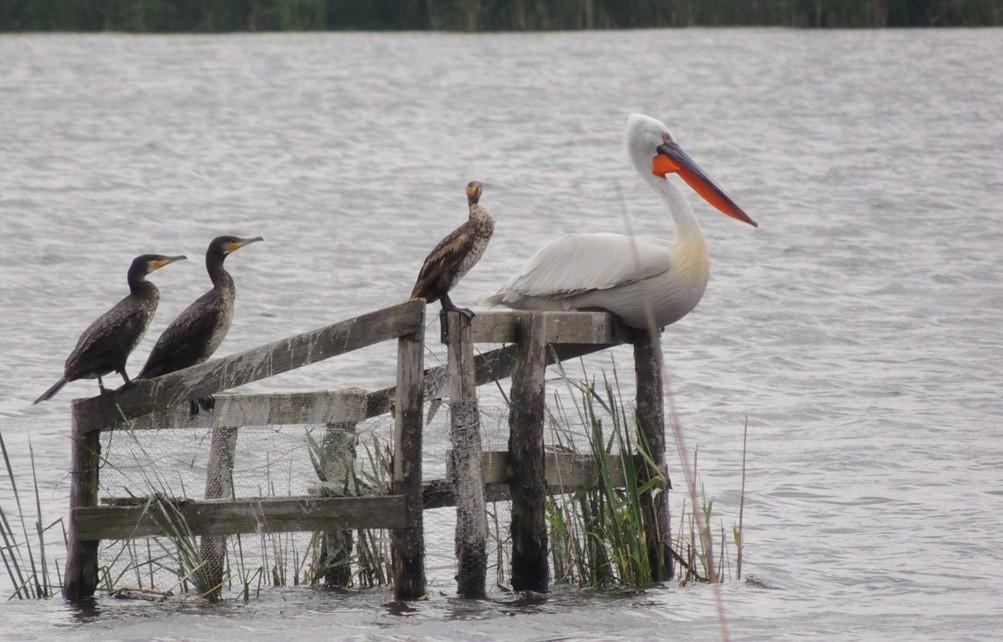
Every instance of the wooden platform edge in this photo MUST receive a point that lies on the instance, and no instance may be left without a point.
(560, 327)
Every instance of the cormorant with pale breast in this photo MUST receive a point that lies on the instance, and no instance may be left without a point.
(198, 331)
(456, 254)
(105, 346)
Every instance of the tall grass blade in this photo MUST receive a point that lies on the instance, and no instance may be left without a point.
(44, 584)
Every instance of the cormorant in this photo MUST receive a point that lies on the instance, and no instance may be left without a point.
(104, 347)
(456, 254)
(194, 336)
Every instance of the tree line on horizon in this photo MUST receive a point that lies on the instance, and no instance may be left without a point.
(483, 15)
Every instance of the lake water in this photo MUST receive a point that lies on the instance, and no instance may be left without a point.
(858, 329)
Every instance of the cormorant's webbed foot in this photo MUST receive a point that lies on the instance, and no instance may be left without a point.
(205, 403)
(448, 306)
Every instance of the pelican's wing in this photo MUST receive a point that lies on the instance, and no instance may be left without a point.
(578, 263)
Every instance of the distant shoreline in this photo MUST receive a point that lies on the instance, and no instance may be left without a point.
(225, 16)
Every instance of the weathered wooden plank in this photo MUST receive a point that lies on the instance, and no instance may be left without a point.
(177, 388)
(218, 484)
(562, 327)
(407, 543)
(494, 365)
(651, 437)
(252, 410)
(465, 436)
(527, 481)
(435, 493)
(441, 493)
(249, 515)
(80, 577)
(563, 470)
(339, 467)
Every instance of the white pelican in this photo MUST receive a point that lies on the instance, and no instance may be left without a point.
(623, 275)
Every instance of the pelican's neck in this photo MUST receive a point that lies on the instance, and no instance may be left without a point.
(688, 230)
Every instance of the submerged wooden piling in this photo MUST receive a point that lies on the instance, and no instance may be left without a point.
(339, 465)
(218, 484)
(651, 433)
(80, 579)
(465, 437)
(527, 479)
(408, 544)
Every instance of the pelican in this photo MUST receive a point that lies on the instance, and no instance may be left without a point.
(620, 274)
(456, 254)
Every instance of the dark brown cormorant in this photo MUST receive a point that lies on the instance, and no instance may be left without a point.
(104, 347)
(194, 336)
(456, 254)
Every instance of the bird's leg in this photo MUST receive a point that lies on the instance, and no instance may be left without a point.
(448, 306)
(101, 385)
(128, 382)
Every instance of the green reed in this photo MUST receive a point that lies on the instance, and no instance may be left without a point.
(30, 578)
(370, 475)
(596, 533)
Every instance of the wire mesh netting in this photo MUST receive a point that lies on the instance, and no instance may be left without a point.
(159, 470)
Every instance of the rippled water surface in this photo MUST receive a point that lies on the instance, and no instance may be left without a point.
(858, 328)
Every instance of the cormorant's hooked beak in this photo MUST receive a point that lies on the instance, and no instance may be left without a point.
(161, 261)
(474, 189)
(233, 246)
(671, 158)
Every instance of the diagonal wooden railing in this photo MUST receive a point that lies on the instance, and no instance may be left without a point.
(175, 390)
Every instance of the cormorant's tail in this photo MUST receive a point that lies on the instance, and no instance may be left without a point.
(56, 387)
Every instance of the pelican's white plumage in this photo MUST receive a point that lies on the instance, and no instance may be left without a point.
(629, 277)
(602, 261)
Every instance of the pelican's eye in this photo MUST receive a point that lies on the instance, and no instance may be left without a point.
(666, 138)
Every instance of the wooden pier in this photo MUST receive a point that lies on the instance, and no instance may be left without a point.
(525, 474)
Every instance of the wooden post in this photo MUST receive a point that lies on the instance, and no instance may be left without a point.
(527, 480)
(465, 436)
(407, 544)
(80, 578)
(339, 464)
(651, 435)
(218, 484)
